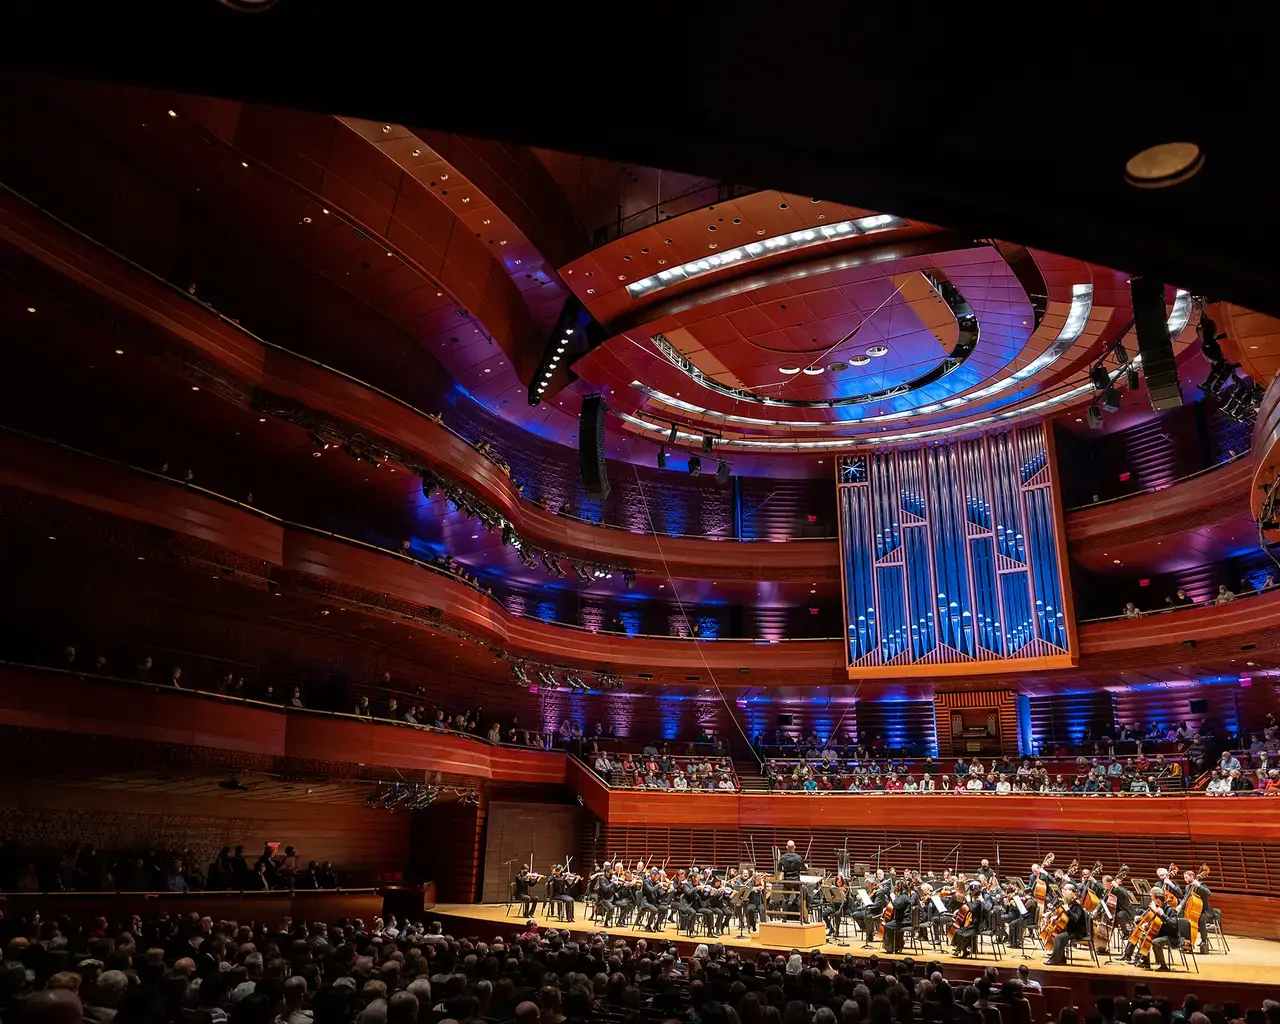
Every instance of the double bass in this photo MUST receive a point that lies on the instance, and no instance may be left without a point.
(1192, 905)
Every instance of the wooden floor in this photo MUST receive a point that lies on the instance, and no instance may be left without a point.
(1251, 961)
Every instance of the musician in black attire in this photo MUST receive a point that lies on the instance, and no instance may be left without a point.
(755, 905)
(1207, 913)
(525, 881)
(1077, 928)
(896, 926)
(870, 916)
(965, 939)
(651, 900)
(688, 902)
(1168, 937)
(1015, 923)
(558, 892)
(791, 864)
(606, 897)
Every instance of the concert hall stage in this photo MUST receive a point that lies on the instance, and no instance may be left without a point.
(1251, 961)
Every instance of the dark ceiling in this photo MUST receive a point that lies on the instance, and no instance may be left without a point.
(950, 114)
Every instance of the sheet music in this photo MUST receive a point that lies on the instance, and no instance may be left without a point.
(938, 904)
(864, 898)
(1106, 909)
(1022, 907)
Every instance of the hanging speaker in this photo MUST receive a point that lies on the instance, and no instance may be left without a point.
(1150, 323)
(595, 474)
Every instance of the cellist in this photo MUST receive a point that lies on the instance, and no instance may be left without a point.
(1075, 927)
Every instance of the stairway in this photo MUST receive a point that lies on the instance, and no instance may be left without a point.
(749, 777)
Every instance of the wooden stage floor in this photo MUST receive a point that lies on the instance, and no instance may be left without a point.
(1250, 962)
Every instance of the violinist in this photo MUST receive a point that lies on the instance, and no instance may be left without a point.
(524, 883)
(558, 886)
(1015, 920)
(870, 916)
(650, 901)
(607, 897)
(1072, 925)
(836, 893)
(687, 901)
(756, 901)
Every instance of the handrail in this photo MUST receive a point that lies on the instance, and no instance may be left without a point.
(389, 552)
(436, 418)
(1159, 487)
(227, 698)
(226, 894)
(621, 226)
(1243, 595)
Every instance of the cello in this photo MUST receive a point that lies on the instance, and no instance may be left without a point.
(1148, 926)
(1105, 916)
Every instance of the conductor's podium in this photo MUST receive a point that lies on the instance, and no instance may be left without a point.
(793, 934)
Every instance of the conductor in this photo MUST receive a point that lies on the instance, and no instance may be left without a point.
(791, 863)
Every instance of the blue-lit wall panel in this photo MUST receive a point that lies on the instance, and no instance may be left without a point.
(950, 554)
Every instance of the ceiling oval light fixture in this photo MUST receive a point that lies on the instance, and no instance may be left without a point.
(838, 367)
(876, 351)
(813, 371)
(1170, 163)
(788, 370)
(859, 360)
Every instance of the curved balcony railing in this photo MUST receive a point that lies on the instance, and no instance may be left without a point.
(305, 551)
(1162, 487)
(534, 521)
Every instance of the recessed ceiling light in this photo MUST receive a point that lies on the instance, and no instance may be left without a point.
(386, 129)
(173, 113)
(194, 387)
(1115, 561)
(622, 277)
(244, 163)
(876, 351)
(417, 152)
(591, 291)
(783, 206)
(759, 231)
(444, 177)
(262, 419)
(788, 369)
(518, 262)
(711, 245)
(325, 211)
(813, 371)
(31, 309)
(466, 199)
(859, 360)
(119, 351)
(487, 370)
(1170, 163)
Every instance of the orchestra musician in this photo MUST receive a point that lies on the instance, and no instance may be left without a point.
(607, 897)
(897, 917)
(1156, 925)
(836, 893)
(869, 915)
(526, 879)
(651, 902)
(558, 886)
(964, 927)
(687, 899)
(1075, 928)
(1195, 889)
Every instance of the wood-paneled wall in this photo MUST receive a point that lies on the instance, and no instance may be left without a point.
(53, 817)
(515, 831)
(448, 848)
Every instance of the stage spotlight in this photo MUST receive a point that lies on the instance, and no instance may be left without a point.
(1094, 416)
(671, 434)
(519, 674)
(1120, 352)
(722, 473)
(1110, 400)
(1134, 380)
(707, 442)
(695, 465)
(662, 456)
(1100, 378)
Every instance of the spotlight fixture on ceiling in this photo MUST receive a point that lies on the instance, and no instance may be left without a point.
(519, 674)
(1094, 415)
(707, 442)
(662, 456)
(672, 434)
(695, 466)
(317, 440)
(722, 473)
(1132, 378)
(509, 538)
